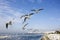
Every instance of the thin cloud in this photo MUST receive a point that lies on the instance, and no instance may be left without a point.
(33, 1)
(56, 19)
(7, 13)
(39, 1)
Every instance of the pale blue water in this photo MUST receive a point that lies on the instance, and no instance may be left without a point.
(25, 36)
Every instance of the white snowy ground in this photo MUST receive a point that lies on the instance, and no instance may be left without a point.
(51, 37)
(3, 37)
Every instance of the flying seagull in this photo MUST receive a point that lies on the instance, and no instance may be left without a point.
(35, 10)
(9, 23)
(24, 26)
(27, 16)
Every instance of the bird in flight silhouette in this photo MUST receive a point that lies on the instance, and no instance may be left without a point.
(26, 16)
(36, 10)
(9, 23)
(24, 26)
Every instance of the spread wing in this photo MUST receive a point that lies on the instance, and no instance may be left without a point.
(24, 26)
(31, 14)
(10, 23)
(25, 19)
(33, 10)
(37, 11)
(40, 9)
(6, 25)
(23, 16)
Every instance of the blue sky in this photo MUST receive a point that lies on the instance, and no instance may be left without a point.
(48, 19)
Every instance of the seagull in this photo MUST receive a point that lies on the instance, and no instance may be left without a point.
(24, 26)
(27, 16)
(36, 10)
(9, 23)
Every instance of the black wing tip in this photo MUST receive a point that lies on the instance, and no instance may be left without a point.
(32, 13)
(6, 25)
(41, 9)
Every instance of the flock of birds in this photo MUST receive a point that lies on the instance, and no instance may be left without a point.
(25, 17)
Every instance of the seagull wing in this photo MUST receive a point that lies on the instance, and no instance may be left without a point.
(33, 10)
(6, 25)
(10, 23)
(26, 15)
(40, 9)
(31, 14)
(24, 26)
(23, 16)
(25, 19)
